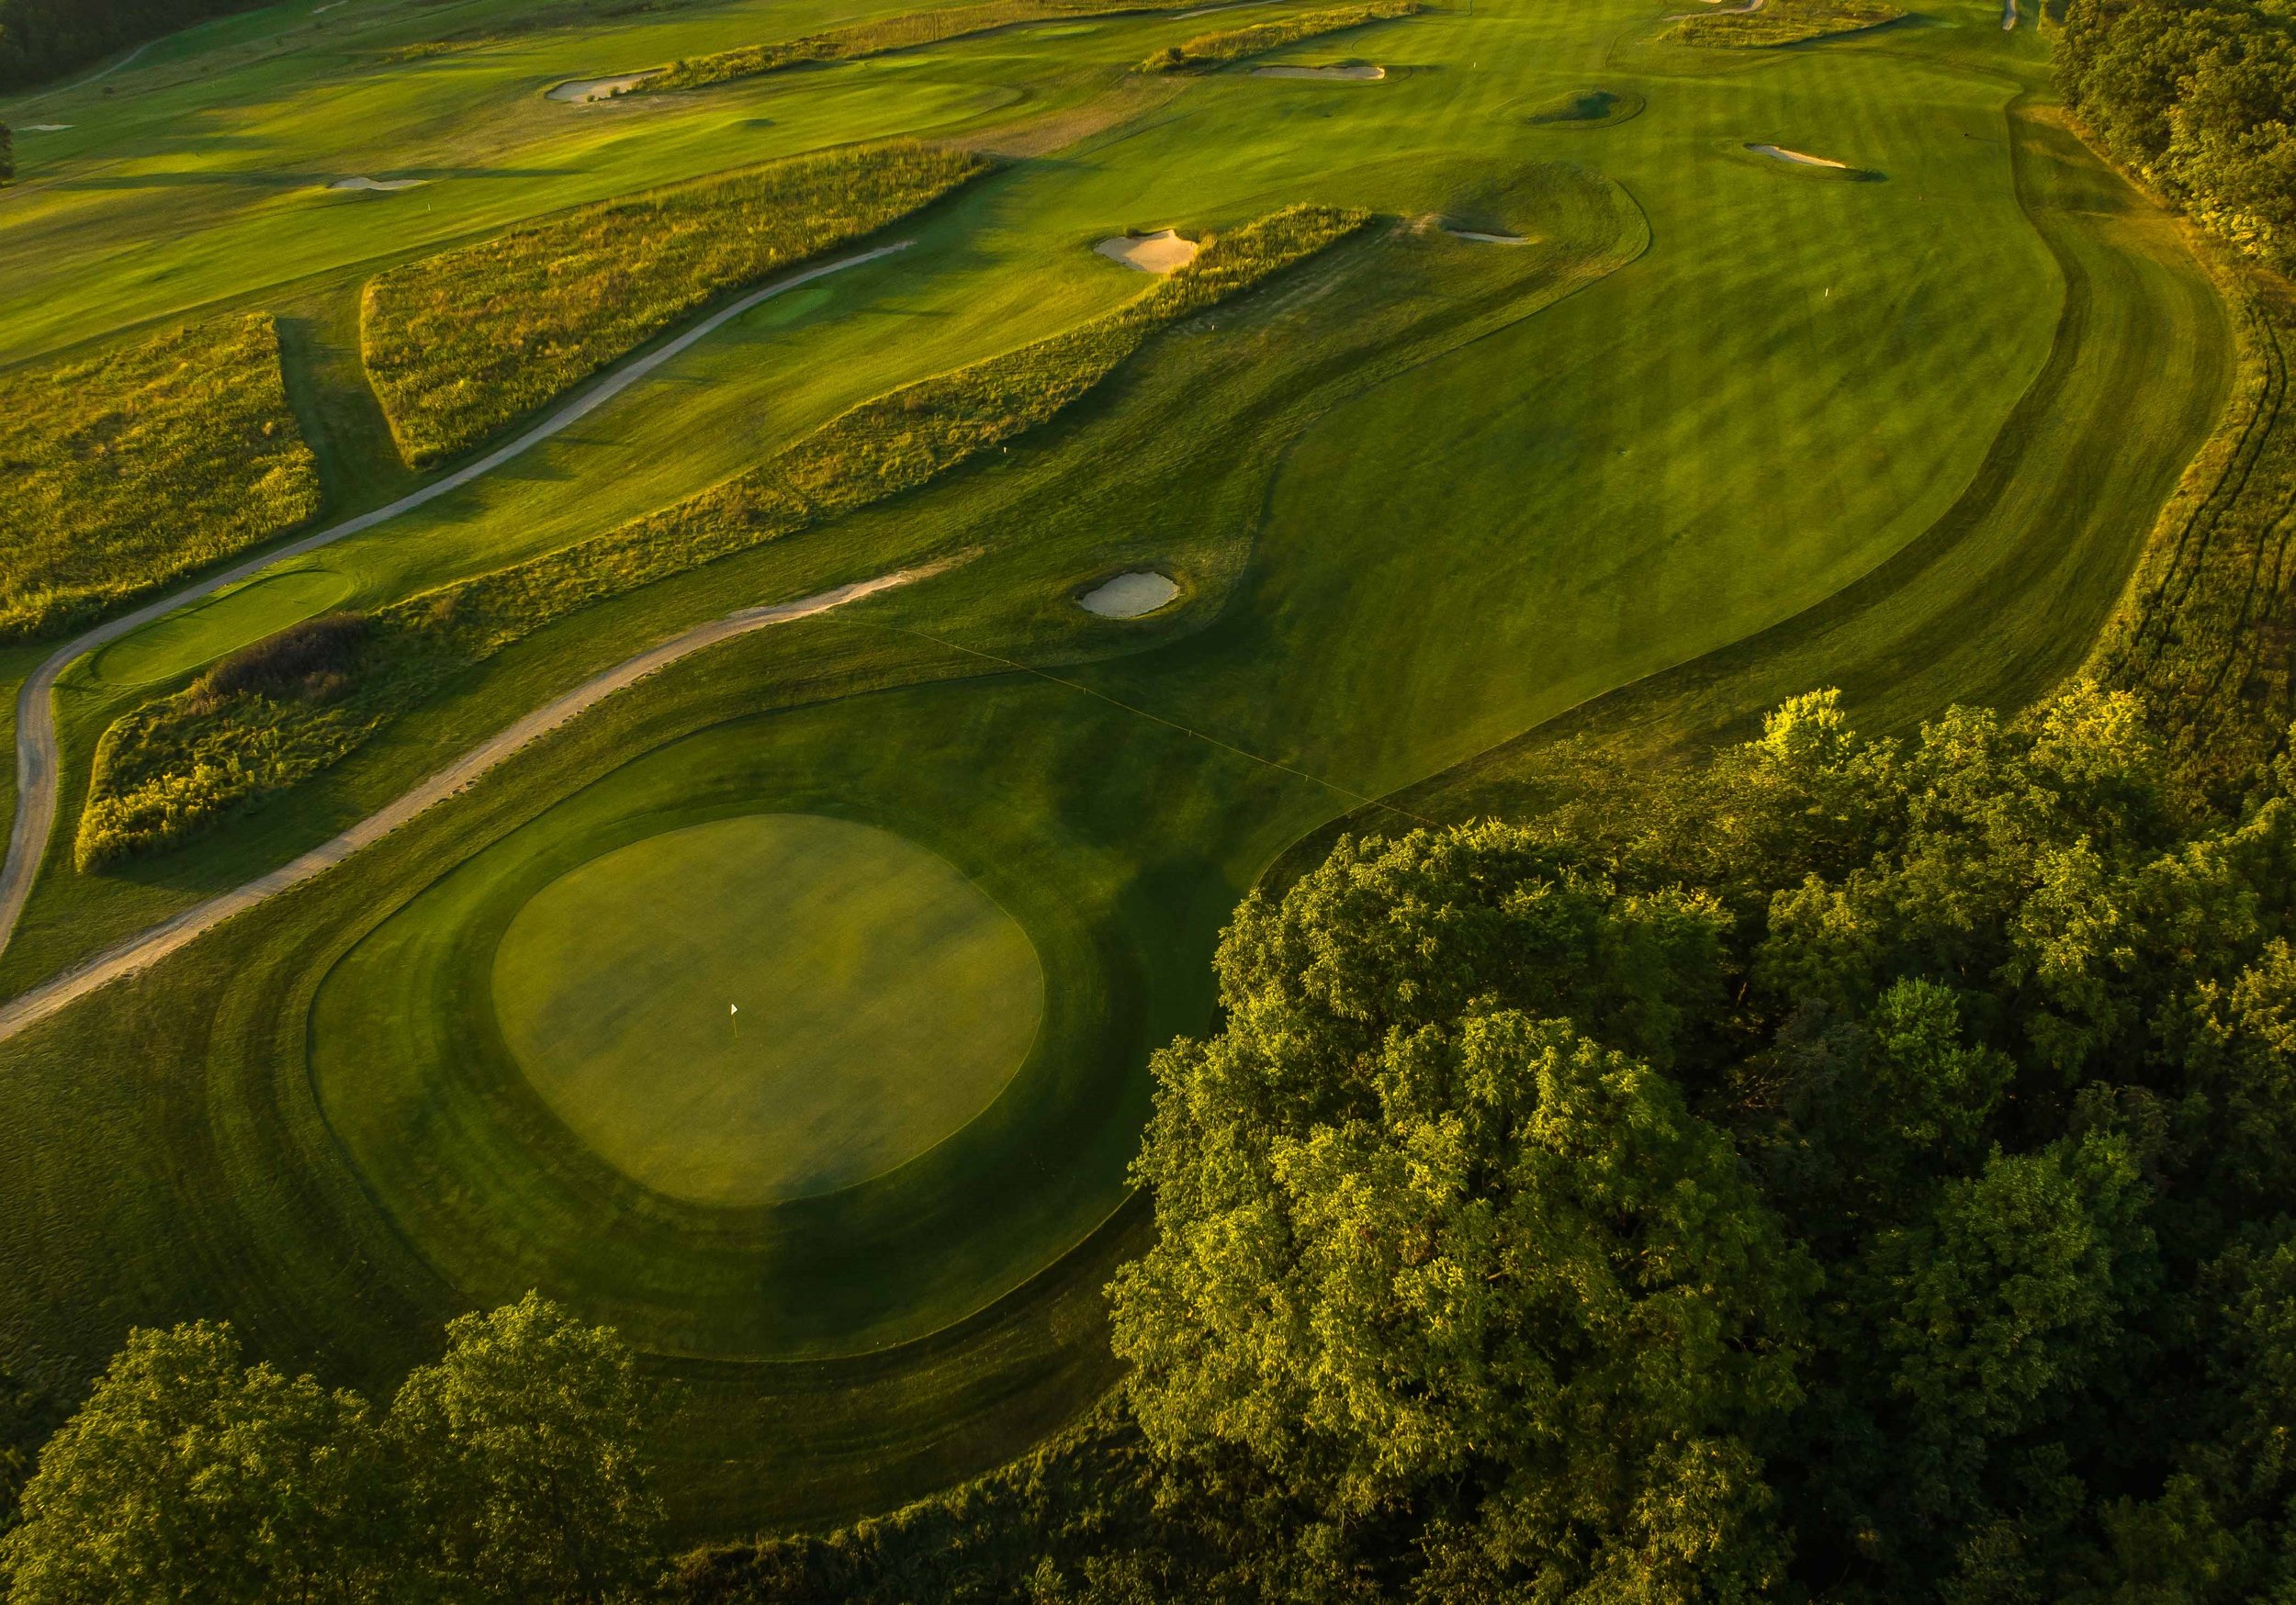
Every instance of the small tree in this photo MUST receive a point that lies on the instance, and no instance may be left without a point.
(187, 1475)
(506, 1471)
(7, 154)
(519, 1454)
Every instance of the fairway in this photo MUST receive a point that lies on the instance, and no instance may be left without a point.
(765, 1008)
(790, 1008)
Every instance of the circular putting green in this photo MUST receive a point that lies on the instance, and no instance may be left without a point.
(766, 1007)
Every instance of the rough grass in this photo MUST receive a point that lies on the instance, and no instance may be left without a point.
(460, 343)
(130, 470)
(874, 38)
(1213, 49)
(2207, 631)
(174, 767)
(1782, 22)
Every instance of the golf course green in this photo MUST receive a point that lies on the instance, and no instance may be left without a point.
(790, 1009)
(887, 1002)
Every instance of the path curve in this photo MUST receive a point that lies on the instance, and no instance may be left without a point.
(148, 948)
(35, 760)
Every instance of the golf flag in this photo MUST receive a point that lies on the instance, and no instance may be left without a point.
(735, 1008)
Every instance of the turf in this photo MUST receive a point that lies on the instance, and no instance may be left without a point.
(1720, 434)
(459, 344)
(765, 1008)
(182, 641)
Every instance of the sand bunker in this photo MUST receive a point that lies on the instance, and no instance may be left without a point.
(1158, 252)
(387, 183)
(1490, 239)
(1130, 596)
(1358, 74)
(582, 91)
(1778, 154)
(43, 127)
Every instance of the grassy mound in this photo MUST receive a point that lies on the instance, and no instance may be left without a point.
(173, 768)
(835, 1000)
(1213, 49)
(131, 469)
(460, 343)
(1587, 108)
(1782, 22)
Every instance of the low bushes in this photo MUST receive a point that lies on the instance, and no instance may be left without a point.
(460, 343)
(892, 33)
(1213, 49)
(129, 470)
(292, 706)
(1782, 22)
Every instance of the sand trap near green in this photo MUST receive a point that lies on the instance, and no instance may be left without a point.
(765, 1008)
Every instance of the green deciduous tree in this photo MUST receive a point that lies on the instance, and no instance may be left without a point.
(519, 1453)
(505, 1471)
(1424, 1258)
(191, 1476)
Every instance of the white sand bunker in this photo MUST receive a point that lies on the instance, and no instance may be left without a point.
(1482, 239)
(1778, 154)
(1130, 596)
(43, 127)
(385, 184)
(1158, 252)
(1362, 72)
(582, 91)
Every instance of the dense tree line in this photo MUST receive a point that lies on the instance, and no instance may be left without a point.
(505, 1470)
(1852, 1171)
(41, 39)
(2199, 96)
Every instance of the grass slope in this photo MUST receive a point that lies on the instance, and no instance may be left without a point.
(460, 343)
(130, 469)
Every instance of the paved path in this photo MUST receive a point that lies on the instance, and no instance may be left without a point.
(149, 947)
(35, 705)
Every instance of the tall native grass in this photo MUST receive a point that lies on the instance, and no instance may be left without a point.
(891, 33)
(460, 343)
(276, 715)
(129, 470)
(1213, 49)
(1781, 22)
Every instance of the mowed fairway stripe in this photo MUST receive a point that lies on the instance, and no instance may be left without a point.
(35, 712)
(148, 948)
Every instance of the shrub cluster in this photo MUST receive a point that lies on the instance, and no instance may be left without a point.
(460, 343)
(1851, 1172)
(892, 33)
(127, 471)
(1213, 49)
(174, 766)
(1782, 22)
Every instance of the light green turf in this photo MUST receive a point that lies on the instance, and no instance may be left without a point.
(1422, 497)
(765, 1008)
(182, 641)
